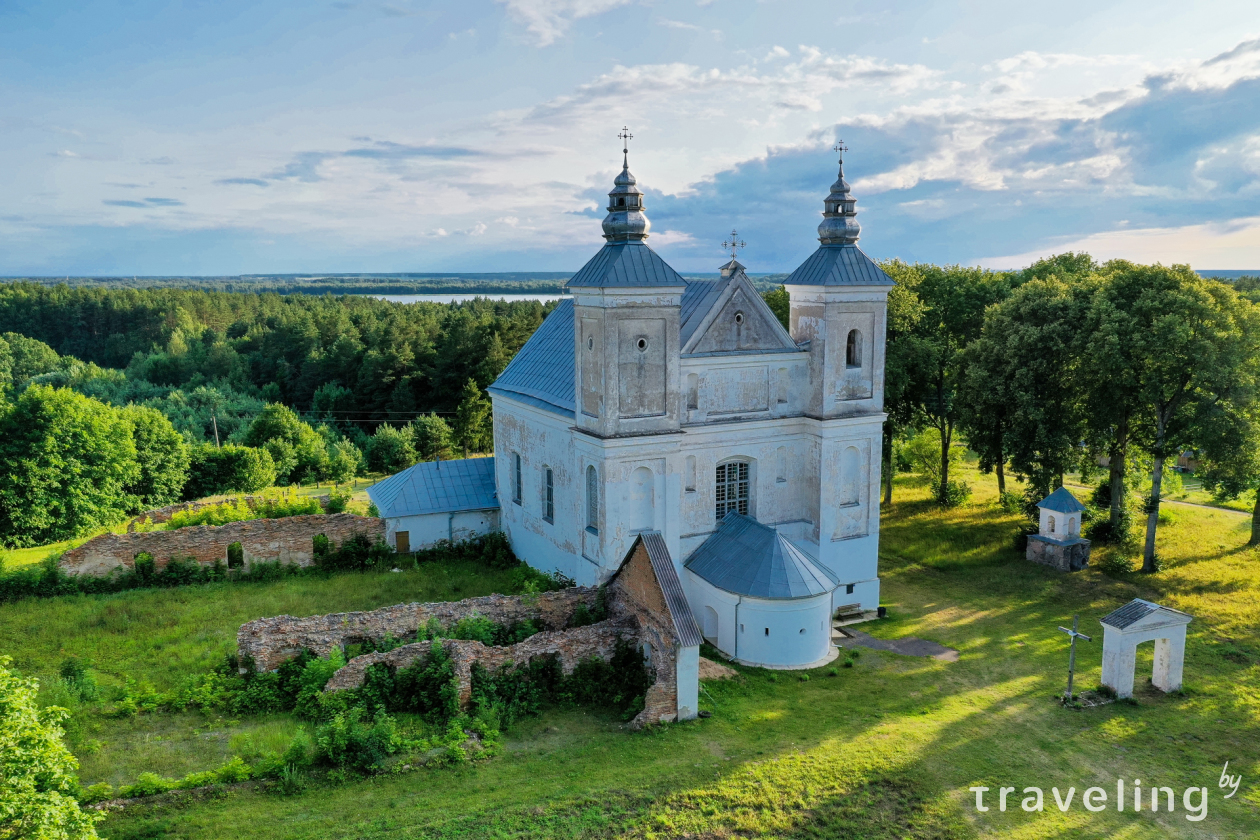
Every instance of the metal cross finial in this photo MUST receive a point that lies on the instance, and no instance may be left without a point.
(1076, 619)
(734, 243)
(840, 147)
(625, 137)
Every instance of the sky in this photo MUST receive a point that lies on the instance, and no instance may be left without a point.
(228, 137)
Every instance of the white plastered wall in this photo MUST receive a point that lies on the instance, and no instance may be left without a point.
(1167, 630)
(425, 530)
(772, 633)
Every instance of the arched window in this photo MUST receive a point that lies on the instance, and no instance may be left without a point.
(1052, 524)
(732, 488)
(641, 514)
(853, 350)
(780, 465)
(1071, 526)
(549, 495)
(693, 390)
(592, 500)
(689, 474)
(621, 202)
(516, 477)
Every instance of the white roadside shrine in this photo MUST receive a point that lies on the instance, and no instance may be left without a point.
(1142, 621)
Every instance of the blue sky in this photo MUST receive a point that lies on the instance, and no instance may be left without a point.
(230, 137)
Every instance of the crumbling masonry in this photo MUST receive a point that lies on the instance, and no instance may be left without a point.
(286, 540)
(642, 610)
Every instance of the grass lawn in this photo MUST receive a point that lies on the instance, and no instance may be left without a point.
(886, 749)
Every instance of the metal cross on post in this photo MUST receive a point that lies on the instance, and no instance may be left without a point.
(1076, 620)
(840, 147)
(625, 137)
(734, 243)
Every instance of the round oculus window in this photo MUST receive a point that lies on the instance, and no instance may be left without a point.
(641, 344)
(739, 317)
(590, 344)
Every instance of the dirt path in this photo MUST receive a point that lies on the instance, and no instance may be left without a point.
(909, 646)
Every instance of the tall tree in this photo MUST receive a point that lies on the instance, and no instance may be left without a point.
(162, 455)
(1174, 352)
(472, 426)
(66, 462)
(954, 299)
(905, 311)
(37, 772)
(1021, 395)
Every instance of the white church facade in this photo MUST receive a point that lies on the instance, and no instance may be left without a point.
(650, 403)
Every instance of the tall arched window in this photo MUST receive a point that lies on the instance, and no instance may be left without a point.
(732, 488)
(592, 500)
(689, 474)
(1052, 524)
(516, 477)
(549, 495)
(853, 350)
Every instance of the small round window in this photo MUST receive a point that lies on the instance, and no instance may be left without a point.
(641, 344)
(739, 317)
(590, 344)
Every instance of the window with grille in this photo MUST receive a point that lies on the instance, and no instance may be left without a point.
(732, 488)
(549, 497)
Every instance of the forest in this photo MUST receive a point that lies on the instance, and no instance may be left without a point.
(157, 394)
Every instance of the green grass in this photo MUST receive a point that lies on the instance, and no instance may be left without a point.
(886, 749)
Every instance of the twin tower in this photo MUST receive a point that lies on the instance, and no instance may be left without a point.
(649, 402)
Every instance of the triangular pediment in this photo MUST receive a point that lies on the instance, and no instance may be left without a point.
(737, 320)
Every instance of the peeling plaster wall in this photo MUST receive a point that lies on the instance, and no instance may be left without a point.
(543, 439)
(428, 529)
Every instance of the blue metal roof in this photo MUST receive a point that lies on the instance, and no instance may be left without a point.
(745, 557)
(697, 299)
(1061, 501)
(437, 487)
(838, 265)
(542, 371)
(627, 264)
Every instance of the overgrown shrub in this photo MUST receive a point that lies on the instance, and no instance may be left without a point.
(956, 492)
(1115, 563)
(351, 742)
(79, 679)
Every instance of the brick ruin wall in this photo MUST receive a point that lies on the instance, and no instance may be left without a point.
(287, 540)
(634, 616)
(162, 515)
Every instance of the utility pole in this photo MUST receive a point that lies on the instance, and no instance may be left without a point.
(216, 431)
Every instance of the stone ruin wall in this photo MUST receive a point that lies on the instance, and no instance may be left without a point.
(288, 540)
(270, 641)
(633, 617)
(1068, 557)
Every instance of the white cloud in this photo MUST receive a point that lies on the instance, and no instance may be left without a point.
(549, 20)
(777, 52)
(1232, 245)
(677, 24)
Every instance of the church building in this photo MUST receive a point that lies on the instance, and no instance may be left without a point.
(651, 403)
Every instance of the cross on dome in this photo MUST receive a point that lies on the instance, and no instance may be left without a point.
(625, 137)
(733, 243)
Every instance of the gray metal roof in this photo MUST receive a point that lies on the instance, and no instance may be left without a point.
(697, 299)
(1061, 501)
(679, 609)
(542, 371)
(437, 487)
(838, 265)
(1134, 611)
(745, 557)
(626, 264)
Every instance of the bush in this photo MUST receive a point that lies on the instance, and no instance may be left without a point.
(1011, 502)
(348, 742)
(79, 680)
(228, 469)
(1115, 563)
(956, 493)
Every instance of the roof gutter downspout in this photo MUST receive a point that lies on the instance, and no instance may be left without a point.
(737, 625)
(450, 526)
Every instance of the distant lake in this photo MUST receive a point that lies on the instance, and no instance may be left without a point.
(465, 298)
